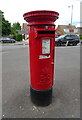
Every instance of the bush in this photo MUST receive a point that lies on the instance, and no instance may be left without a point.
(18, 37)
(80, 37)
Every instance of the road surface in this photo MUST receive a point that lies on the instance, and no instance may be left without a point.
(15, 84)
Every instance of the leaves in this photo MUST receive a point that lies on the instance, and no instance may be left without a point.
(5, 26)
(15, 27)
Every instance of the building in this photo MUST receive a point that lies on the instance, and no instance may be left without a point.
(66, 29)
(80, 30)
(24, 31)
(24, 27)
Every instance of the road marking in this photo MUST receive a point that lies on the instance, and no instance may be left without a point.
(69, 47)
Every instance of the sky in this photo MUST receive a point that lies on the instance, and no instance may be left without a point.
(14, 9)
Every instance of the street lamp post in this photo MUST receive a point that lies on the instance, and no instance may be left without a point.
(71, 13)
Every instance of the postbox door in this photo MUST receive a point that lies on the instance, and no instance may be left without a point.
(46, 62)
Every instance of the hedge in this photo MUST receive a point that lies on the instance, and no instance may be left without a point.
(18, 37)
(80, 37)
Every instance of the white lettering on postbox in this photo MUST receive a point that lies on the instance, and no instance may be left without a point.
(44, 56)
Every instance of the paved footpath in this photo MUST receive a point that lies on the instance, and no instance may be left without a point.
(26, 42)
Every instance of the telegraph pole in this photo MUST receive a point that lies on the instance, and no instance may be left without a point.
(71, 13)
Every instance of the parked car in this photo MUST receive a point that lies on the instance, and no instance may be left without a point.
(7, 40)
(69, 39)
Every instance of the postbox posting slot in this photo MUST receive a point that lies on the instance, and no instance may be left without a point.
(43, 32)
(46, 32)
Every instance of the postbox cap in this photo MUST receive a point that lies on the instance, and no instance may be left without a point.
(41, 17)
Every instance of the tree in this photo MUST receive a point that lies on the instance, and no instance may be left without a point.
(6, 26)
(15, 27)
(1, 15)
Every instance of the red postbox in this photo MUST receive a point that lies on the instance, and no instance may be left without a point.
(41, 31)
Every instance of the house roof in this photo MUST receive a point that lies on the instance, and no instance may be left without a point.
(66, 29)
(67, 26)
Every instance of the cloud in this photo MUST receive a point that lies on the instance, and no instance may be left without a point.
(14, 9)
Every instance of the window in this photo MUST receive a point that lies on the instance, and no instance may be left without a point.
(73, 36)
(75, 30)
(66, 30)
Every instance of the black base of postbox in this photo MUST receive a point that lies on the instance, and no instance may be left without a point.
(41, 97)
